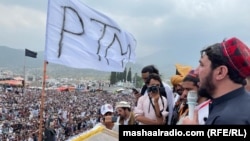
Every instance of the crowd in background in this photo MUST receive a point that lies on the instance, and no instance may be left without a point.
(65, 113)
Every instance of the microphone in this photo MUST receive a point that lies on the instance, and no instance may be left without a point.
(192, 97)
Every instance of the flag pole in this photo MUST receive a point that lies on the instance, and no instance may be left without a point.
(41, 122)
(24, 75)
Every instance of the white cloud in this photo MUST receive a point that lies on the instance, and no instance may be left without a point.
(18, 18)
(22, 27)
(169, 28)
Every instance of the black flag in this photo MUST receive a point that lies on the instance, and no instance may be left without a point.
(30, 53)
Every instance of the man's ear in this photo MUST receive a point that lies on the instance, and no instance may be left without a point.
(221, 72)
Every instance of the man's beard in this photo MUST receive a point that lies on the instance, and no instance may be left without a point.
(203, 92)
(122, 117)
(207, 87)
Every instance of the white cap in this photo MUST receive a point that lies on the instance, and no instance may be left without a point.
(122, 104)
(106, 108)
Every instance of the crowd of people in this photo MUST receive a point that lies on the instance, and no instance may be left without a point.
(220, 83)
(65, 113)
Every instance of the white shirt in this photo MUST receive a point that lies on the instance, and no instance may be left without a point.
(30, 139)
(145, 108)
(170, 99)
(203, 111)
(126, 121)
(176, 97)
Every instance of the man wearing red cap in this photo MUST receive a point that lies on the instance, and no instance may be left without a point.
(222, 72)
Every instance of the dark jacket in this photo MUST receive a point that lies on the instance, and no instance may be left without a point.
(231, 108)
(49, 134)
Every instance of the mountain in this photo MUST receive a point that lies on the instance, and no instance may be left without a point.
(16, 61)
(165, 67)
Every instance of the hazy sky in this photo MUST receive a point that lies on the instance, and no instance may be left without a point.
(167, 31)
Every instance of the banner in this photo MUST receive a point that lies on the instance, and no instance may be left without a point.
(97, 133)
(30, 53)
(81, 37)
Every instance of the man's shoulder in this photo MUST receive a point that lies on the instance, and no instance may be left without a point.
(244, 97)
(167, 86)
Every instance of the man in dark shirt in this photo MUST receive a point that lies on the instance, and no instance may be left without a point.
(223, 70)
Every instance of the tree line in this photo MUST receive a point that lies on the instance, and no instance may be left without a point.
(126, 76)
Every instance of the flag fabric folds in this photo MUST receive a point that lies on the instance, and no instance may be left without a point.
(30, 53)
(81, 37)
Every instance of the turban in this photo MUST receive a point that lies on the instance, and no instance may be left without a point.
(176, 79)
(181, 72)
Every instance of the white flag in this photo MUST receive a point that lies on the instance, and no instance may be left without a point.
(80, 37)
